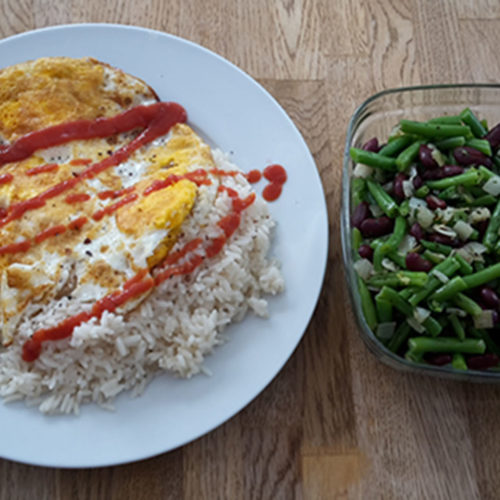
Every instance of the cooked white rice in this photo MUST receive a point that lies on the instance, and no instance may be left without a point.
(172, 330)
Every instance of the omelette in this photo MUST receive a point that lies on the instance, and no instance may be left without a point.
(70, 231)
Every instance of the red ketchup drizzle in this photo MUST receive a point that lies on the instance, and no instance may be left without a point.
(80, 161)
(156, 119)
(50, 167)
(6, 178)
(276, 175)
(51, 231)
(77, 198)
(115, 206)
(22, 246)
(77, 224)
(109, 193)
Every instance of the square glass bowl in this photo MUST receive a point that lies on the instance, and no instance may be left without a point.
(376, 117)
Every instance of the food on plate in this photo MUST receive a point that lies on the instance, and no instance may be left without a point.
(127, 246)
(425, 225)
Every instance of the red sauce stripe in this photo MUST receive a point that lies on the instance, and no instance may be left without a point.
(254, 176)
(51, 231)
(77, 198)
(50, 167)
(80, 161)
(77, 224)
(114, 207)
(6, 178)
(22, 246)
(179, 254)
(103, 195)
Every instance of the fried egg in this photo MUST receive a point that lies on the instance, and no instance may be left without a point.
(87, 242)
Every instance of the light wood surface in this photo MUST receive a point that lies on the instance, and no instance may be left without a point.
(335, 423)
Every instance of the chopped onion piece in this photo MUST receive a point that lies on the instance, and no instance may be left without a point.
(407, 244)
(444, 230)
(388, 186)
(408, 188)
(364, 268)
(455, 310)
(415, 203)
(389, 265)
(472, 251)
(421, 314)
(437, 155)
(362, 171)
(492, 185)
(386, 330)
(479, 214)
(440, 276)
(415, 325)
(425, 217)
(444, 215)
(484, 320)
(376, 210)
(463, 229)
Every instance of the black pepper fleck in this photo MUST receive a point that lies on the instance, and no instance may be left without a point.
(88, 252)
(86, 241)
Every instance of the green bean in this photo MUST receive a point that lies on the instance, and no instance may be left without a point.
(486, 173)
(436, 247)
(481, 277)
(465, 267)
(398, 279)
(481, 145)
(484, 201)
(448, 267)
(432, 326)
(434, 130)
(491, 235)
(467, 304)
(486, 337)
(399, 231)
(451, 142)
(446, 344)
(394, 147)
(399, 303)
(469, 178)
(399, 338)
(408, 155)
(404, 208)
(367, 305)
(478, 266)
(446, 120)
(372, 159)
(458, 361)
(384, 310)
(358, 191)
(384, 200)
(397, 258)
(357, 238)
(405, 293)
(449, 193)
(458, 327)
(422, 191)
(435, 258)
(470, 119)
(450, 289)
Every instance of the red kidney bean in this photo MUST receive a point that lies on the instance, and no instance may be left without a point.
(489, 297)
(444, 240)
(417, 231)
(372, 228)
(361, 212)
(433, 174)
(493, 136)
(366, 252)
(465, 155)
(371, 145)
(415, 262)
(434, 202)
(425, 157)
(417, 182)
(438, 359)
(482, 362)
(481, 226)
(451, 170)
(398, 186)
(495, 317)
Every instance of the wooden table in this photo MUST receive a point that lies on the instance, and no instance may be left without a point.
(335, 423)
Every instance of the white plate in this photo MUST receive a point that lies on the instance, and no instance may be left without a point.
(235, 113)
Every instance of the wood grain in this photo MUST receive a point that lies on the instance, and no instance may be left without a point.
(335, 423)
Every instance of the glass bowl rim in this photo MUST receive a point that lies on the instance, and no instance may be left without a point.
(376, 347)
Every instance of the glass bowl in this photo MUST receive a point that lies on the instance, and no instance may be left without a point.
(376, 117)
